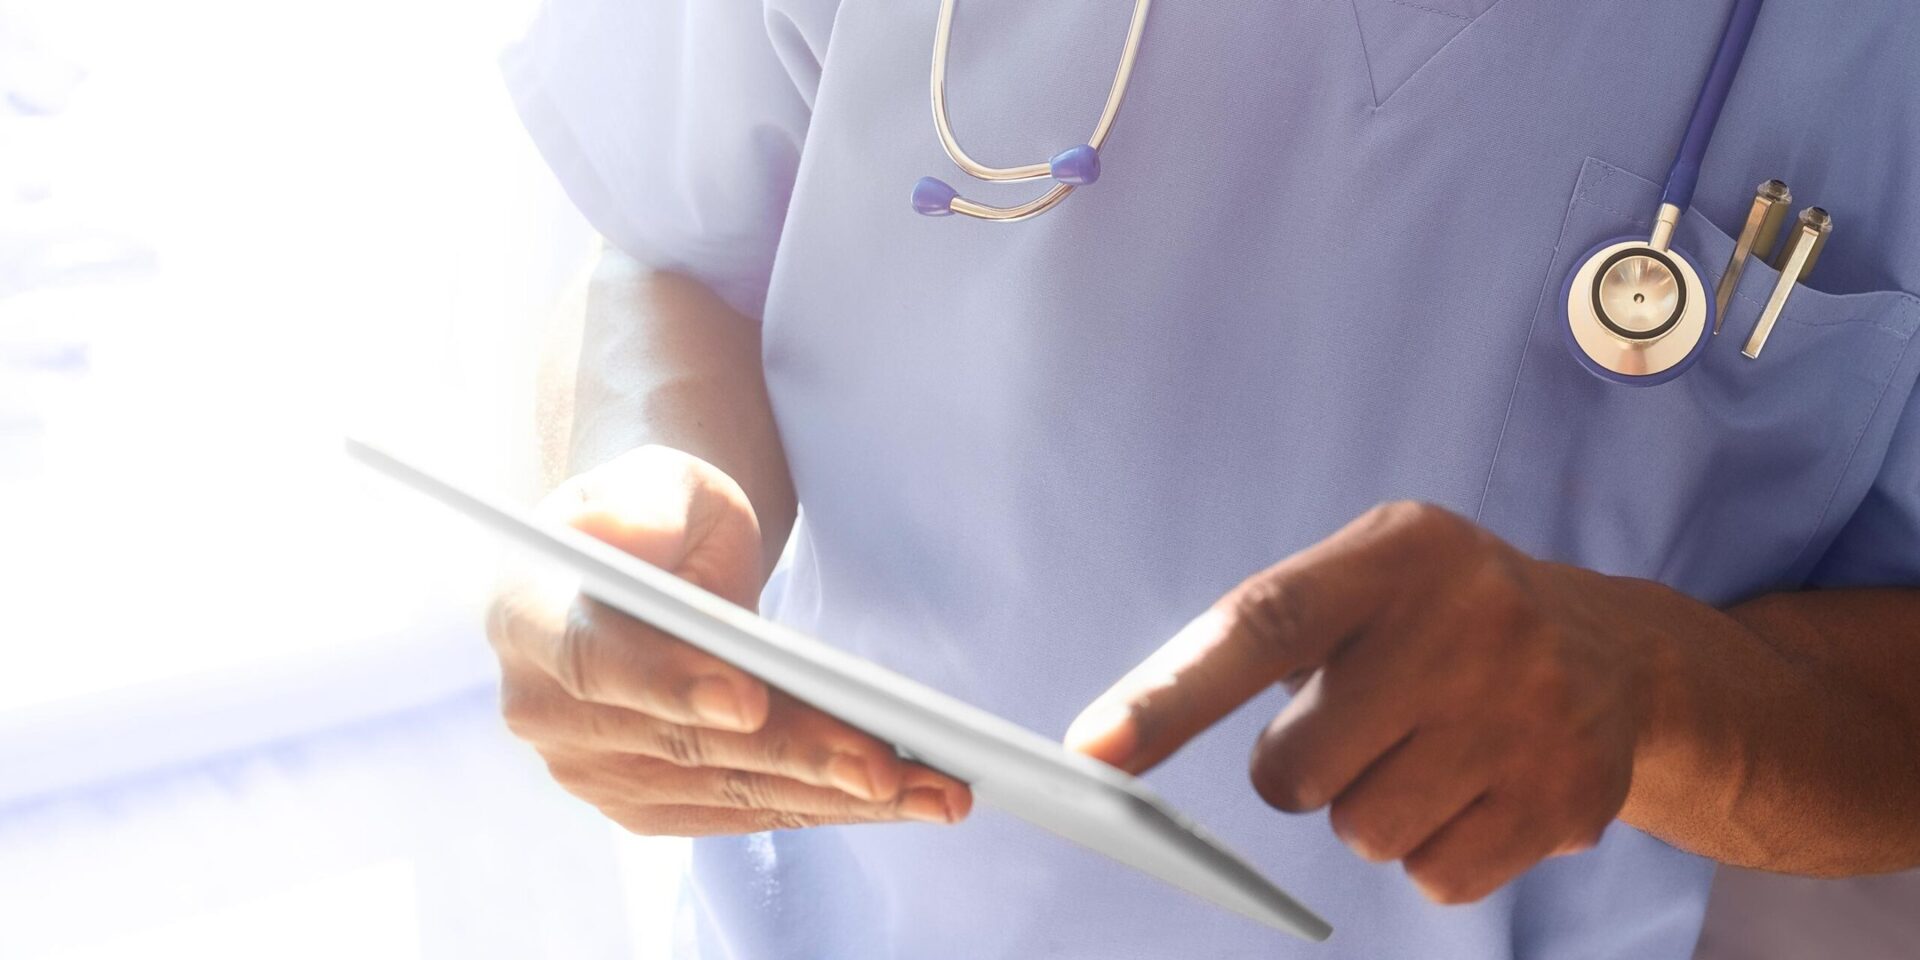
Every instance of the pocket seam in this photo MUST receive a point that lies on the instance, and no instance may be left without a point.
(1433, 10)
(1797, 318)
(1909, 302)
(1533, 323)
(1910, 307)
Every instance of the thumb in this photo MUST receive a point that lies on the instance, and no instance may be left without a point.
(672, 510)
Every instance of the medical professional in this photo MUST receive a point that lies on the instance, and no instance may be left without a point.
(1518, 652)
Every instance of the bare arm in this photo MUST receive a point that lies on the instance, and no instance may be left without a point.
(1470, 710)
(663, 360)
(1786, 733)
(673, 457)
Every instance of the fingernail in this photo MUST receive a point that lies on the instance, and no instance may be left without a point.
(848, 774)
(927, 805)
(1106, 731)
(714, 701)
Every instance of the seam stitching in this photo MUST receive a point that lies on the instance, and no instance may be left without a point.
(1373, 89)
(1441, 13)
(1906, 300)
(1526, 345)
(1853, 451)
(1377, 102)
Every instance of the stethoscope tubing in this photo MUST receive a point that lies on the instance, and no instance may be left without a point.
(1685, 173)
(1024, 173)
(1643, 356)
(1079, 165)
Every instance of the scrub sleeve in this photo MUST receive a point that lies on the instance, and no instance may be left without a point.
(675, 125)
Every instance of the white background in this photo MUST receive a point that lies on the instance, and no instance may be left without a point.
(245, 708)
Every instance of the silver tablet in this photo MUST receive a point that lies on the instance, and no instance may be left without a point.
(1009, 767)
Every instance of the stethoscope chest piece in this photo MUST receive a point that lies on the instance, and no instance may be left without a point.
(1637, 311)
(1637, 314)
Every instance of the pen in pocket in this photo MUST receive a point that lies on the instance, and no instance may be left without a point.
(1795, 263)
(1764, 219)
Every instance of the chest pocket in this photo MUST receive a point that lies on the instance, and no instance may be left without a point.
(1721, 481)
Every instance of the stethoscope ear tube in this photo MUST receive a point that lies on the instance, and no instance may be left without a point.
(1076, 166)
(1685, 173)
(1637, 311)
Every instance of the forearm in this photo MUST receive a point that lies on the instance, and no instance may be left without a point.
(1784, 734)
(663, 360)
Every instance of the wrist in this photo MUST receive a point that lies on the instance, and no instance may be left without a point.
(1678, 737)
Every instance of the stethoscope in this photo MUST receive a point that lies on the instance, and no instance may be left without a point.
(1072, 167)
(1637, 311)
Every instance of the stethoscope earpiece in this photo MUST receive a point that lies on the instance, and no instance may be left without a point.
(1078, 166)
(933, 197)
(1070, 168)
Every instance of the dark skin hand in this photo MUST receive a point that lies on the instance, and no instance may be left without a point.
(1468, 710)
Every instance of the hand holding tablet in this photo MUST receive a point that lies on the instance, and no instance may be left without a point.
(658, 735)
(1007, 767)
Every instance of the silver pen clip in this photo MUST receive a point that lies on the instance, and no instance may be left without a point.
(1795, 263)
(1764, 220)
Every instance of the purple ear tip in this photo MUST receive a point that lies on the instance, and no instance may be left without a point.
(1076, 165)
(932, 197)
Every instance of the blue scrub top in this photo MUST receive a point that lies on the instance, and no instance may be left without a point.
(1319, 272)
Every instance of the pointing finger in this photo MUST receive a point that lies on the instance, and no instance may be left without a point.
(1279, 624)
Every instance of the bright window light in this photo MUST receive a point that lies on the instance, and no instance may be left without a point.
(228, 230)
(370, 913)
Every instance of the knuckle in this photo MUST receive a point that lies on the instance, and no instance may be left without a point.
(1439, 522)
(573, 660)
(1493, 583)
(597, 726)
(518, 620)
(1285, 788)
(775, 746)
(500, 617)
(1411, 515)
(744, 791)
(1388, 513)
(1273, 608)
(1445, 886)
(1439, 531)
(788, 820)
(1360, 832)
(681, 746)
(1365, 835)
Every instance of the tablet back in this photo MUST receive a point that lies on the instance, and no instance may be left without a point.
(1008, 767)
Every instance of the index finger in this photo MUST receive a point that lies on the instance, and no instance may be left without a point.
(1276, 625)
